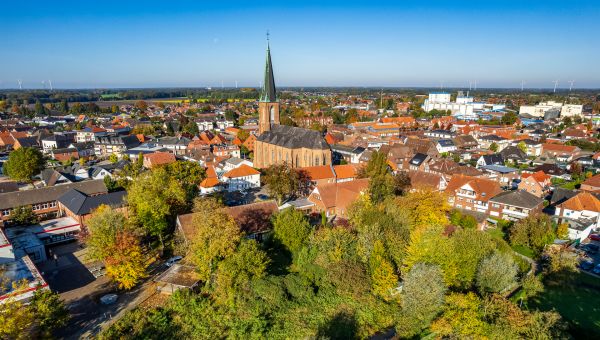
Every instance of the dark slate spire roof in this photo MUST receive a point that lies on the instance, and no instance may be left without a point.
(268, 93)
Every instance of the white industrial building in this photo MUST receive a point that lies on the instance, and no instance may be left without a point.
(463, 108)
(539, 110)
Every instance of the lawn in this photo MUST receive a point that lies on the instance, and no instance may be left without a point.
(577, 298)
(498, 233)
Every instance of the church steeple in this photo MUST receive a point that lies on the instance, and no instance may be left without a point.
(268, 106)
(268, 93)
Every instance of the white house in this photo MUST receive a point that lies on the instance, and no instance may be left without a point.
(241, 178)
(583, 207)
(445, 145)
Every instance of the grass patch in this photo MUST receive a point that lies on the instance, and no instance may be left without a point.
(576, 296)
(500, 234)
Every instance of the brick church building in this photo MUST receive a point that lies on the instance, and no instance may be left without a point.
(281, 143)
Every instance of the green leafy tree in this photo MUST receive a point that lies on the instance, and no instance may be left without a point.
(50, 312)
(423, 293)
(291, 229)
(103, 226)
(236, 272)
(494, 147)
(217, 236)
(23, 215)
(188, 174)
(383, 276)
(23, 164)
(154, 197)
(113, 158)
(496, 273)
(522, 146)
(534, 231)
(282, 181)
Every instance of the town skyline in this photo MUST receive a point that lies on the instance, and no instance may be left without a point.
(387, 45)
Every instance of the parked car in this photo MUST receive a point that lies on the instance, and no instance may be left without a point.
(586, 265)
(173, 260)
(596, 269)
(109, 299)
(591, 248)
(595, 237)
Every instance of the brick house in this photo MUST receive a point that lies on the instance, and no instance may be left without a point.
(471, 193)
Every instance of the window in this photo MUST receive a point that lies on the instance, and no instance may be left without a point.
(6, 212)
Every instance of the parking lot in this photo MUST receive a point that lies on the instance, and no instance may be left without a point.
(590, 255)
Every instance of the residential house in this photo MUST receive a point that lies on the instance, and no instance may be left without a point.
(537, 183)
(445, 146)
(350, 154)
(421, 179)
(176, 145)
(158, 158)
(591, 184)
(514, 154)
(471, 193)
(254, 220)
(334, 198)
(566, 152)
(64, 155)
(505, 175)
(581, 212)
(418, 162)
(241, 178)
(57, 141)
(118, 145)
(534, 147)
(211, 183)
(485, 142)
(493, 159)
(345, 172)
(89, 134)
(514, 205)
(465, 142)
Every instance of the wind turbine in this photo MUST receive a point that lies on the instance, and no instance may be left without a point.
(475, 85)
(522, 85)
(470, 84)
(571, 82)
(236, 84)
(555, 85)
(20, 84)
(44, 84)
(50, 82)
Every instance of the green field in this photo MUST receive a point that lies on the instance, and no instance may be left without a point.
(576, 296)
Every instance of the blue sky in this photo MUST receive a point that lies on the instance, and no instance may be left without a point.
(109, 43)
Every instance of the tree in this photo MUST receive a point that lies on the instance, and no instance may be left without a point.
(50, 312)
(383, 276)
(494, 147)
(461, 317)
(113, 158)
(282, 181)
(401, 183)
(40, 110)
(560, 260)
(509, 118)
(126, 263)
(534, 231)
(381, 182)
(243, 134)
(23, 215)
(236, 272)
(522, 146)
(103, 227)
(17, 320)
(216, 238)
(141, 105)
(291, 229)
(562, 231)
(188, 174)
(422, 299)
(23, 164)
(153, 198)
(64, 106)
(496, 273)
